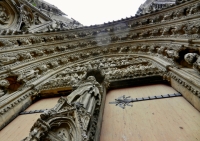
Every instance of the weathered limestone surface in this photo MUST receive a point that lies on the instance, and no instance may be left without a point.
(41, 57)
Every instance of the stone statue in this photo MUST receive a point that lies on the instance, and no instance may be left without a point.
(28, 75)
(54, 64)
(44, 68)
(87, 94)
(37, 20)
(88, 66)
(172, 53)
(39, 52)
(3, 16)
(194, 9)
(3, 85)
(7, 43)
(194, 59)
(166, 17)
(25, 41)
(26, 55)
(161, 50)
(8, 60)
(25, 16)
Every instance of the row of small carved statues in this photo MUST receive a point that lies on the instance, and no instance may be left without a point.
(65, 78)
(131, 71)
(30, 41)
(191, 58)
(100, 63)
(112, 71)
(28, 75)
(186, 29)
(170, 52)
(173, 14)
(22, 56)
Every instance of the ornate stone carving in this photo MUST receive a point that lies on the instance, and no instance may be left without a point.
(26, 55)
(36, 40)
(172, 53)
(38, 52)
(3, 85)
(44, 68)
(54, 64)
(9, 43)
(191, 28)
(25, 41)
(71, 118)
(49, 39)
(37, 19)
(26, 17)
(194, 9)
(165, 31)
(28, 75)
(8, 60)
(167, 16)
(4, 17)
(193, 59)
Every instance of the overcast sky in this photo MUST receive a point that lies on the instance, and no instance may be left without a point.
(90, 12)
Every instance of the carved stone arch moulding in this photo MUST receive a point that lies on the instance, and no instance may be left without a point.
(117, 68)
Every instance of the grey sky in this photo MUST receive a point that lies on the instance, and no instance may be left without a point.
(90, 12)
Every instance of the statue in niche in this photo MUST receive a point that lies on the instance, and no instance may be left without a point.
(193, 59)
(3, 85)
(86, 97)
(63, 133)
(3, 15)
(82, 102)
(25, 17)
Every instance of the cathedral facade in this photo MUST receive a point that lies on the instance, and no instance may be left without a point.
(137, 78)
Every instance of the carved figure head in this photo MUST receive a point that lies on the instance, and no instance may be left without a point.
(91, 78)
(190, 58)
(4, 83)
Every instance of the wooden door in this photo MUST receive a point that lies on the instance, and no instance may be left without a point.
(20, 127)
(169, 119)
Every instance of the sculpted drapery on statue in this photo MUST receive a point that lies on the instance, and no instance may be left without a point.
(73, 118)
(87, 95)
